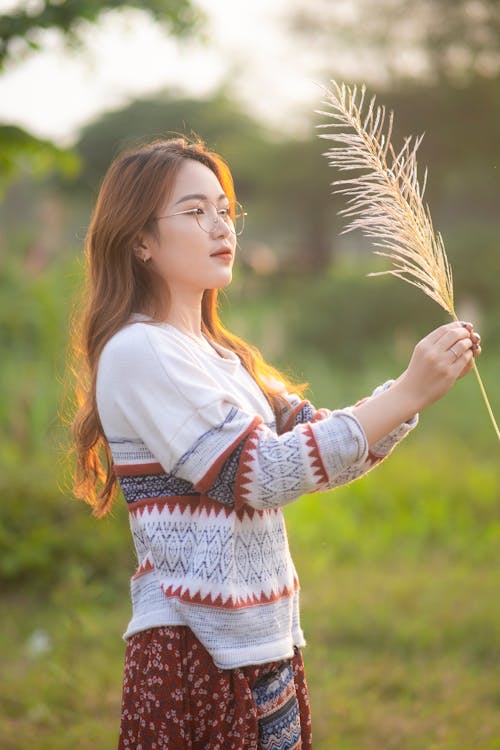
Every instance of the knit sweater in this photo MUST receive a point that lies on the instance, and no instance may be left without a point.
(205, 469)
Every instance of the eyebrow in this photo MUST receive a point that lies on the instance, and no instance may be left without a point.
(198, 196)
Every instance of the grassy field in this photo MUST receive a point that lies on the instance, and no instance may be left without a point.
(404, 656)
(400, 571)
(400, 655)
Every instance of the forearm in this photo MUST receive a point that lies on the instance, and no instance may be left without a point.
(381, 414)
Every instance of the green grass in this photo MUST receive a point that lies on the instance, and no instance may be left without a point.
(400, 571)
(401, 655)
(69, 694)
(426, 498)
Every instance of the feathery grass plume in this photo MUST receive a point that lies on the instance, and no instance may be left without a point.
(385, 201)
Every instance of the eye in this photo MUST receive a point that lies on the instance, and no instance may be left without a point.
(224, 212)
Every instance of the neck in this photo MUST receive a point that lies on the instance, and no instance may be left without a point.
(185, 314)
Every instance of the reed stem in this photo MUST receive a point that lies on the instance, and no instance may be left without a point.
(486, 400)
(481, 388)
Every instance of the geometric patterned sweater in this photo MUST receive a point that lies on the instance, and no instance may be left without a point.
(205, 470)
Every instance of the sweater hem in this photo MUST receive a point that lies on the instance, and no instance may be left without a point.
(226, 658)
(151, 620)
(262, 654)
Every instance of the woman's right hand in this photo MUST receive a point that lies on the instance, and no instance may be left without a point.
(438, 361)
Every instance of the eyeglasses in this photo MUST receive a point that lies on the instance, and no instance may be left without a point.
(208, 216)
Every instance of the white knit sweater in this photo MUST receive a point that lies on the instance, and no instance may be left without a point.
(205, 470)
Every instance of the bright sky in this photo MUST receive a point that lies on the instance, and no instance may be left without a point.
(54, 92)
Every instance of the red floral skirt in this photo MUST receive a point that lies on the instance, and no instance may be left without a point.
(175, 698)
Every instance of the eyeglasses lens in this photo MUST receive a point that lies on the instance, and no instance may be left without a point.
(209, 219)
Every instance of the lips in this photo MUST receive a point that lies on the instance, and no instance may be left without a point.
(225, 252)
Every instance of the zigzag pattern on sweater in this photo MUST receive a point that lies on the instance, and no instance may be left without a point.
(224, 547)
(258, 458)
(206, 555)
(196, 446)
(237, 466)
(145, 567)
(228, 602)
(296, 413)
(275, 467)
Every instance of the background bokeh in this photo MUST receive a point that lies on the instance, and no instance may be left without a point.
(399, 571)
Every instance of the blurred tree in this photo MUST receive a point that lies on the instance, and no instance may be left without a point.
(284, 183)
(438, 63)
(443, 40)
(20, 150)
(21, 31)
(295, 185)
(462, 146)
(219, 120)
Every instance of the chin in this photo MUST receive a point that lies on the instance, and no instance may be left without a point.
(222, 283)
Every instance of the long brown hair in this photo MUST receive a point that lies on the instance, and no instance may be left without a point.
(119, 284)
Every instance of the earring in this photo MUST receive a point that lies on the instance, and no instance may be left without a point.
(146, 260)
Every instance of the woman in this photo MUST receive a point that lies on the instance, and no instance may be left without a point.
(208, 442)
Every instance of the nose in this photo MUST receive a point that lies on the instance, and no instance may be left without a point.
(221, 228)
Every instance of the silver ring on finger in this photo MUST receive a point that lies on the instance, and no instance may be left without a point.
(451, 349)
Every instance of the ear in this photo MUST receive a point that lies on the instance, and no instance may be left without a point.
(141, 250)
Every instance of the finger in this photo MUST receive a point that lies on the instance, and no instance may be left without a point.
(470, 328)
(438, 333)
(460, 347)
(467, 367)
(453, 336)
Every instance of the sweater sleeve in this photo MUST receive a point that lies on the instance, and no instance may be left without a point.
(299, 411)
(198, 432)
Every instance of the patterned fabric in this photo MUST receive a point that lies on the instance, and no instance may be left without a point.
(234, 563)
(175, 698)
(278, 710)
(160, 484)
(205, 469)
(272, 469)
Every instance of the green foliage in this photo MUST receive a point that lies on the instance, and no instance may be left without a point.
(22, 153)
(219, 120)
(413, 507)
(356, 322)
(180, 16)
(399, 571)
(411, 511)
(459, 150)
(398, 655)
(475, 256)
(41, 526)
(402, 656)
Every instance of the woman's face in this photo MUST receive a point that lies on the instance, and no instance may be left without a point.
(186, 256)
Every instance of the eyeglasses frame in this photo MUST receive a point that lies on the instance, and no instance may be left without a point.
(216, 224)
